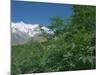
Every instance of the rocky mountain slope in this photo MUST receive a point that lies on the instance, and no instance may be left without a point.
(21, 33)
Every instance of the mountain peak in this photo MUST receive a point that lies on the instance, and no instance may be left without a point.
(22, 30)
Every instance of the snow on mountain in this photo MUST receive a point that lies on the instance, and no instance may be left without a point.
(21, 32)
(29, 29)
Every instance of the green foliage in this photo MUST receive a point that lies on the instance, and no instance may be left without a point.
(72, 49)
(84, 18)
(57, 25)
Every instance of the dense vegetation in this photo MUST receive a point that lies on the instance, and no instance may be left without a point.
(72, 47)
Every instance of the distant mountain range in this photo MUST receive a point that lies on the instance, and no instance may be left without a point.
(21, 33)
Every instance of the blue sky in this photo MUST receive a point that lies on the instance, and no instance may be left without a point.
(38, 13)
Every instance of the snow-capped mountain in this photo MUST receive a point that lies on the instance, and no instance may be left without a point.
(21, 32)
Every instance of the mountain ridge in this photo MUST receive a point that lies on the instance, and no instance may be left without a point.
(21, 32)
